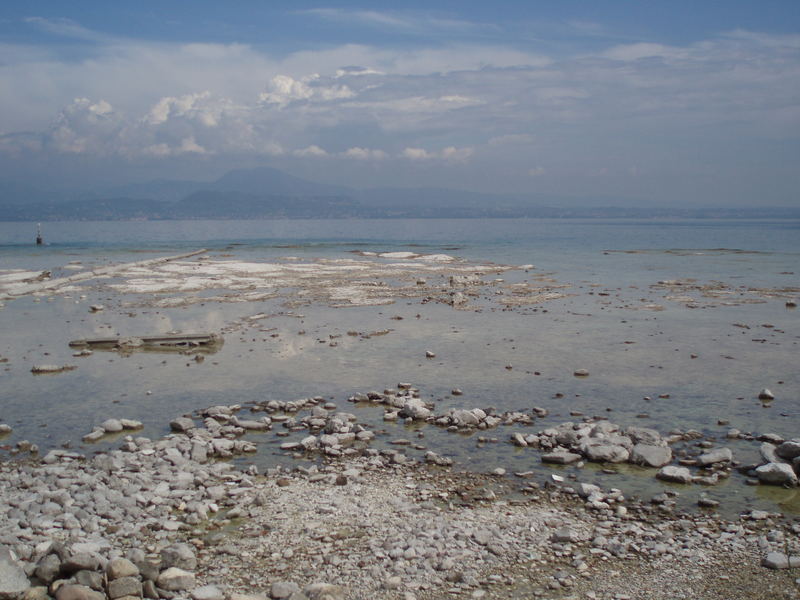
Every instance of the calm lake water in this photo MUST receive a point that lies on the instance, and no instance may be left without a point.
(610, 267)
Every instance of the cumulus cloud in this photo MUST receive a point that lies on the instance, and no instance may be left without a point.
(451, 103)
(283, 89)
(364, 153)
(312, 150)
(450, 153)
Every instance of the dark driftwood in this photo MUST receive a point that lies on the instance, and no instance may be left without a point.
(178, 341)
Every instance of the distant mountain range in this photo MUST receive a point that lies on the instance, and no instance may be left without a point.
(267, 193)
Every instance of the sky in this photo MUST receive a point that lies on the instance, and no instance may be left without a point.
(655, 103)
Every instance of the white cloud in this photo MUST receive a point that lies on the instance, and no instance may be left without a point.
(734, 95)
(284, 89)
(364, 153)
(416, 154)
(312, 150)
(450, 153)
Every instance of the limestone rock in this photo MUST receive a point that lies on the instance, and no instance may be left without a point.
(48, 568)
(283, 589)
(789, 449)
(181, 424)
(598, 451)
(674, 474)
(124, 586)
(80, 561)
(560, 458)
(111, 426)
(121, 567)
(175, 580)
(778, 560)
(414, 408)
(717, 455)
(208, 592)
(777, 474)
(13, 580)
(178, 555)
(324, 591)
(648, 455)
(78, 592)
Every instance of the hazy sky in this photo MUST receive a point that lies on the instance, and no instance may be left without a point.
(663, 102)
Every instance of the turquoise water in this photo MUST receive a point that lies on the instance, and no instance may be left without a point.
(631, 353)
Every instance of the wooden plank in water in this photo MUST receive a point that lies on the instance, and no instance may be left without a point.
(178, 340)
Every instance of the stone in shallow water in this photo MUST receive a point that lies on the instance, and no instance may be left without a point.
(648, 455)
(776, 474)
(718, 455)
(674, 474)
(560, 458)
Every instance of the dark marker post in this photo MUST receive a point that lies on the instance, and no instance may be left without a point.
(38, 234)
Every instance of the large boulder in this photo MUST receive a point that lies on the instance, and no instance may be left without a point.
(777, 474)
(600, 451)
(789, 449)
(674, 474)
(13, 581)
(648, 455)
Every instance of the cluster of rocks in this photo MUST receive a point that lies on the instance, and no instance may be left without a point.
(110, 426)
(108, 527)
(405, 403)
(780, 463)
(598, 441)
(332, 433)
(89, 571)
(605, 442)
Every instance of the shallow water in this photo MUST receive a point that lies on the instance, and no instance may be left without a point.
(631, 350)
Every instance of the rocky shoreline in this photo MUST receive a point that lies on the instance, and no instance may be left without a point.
(175, 518)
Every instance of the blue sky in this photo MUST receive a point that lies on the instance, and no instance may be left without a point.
(660, 102)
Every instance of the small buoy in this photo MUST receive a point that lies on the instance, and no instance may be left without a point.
(765, 394)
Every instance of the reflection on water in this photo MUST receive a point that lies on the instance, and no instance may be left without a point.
(677, 368)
